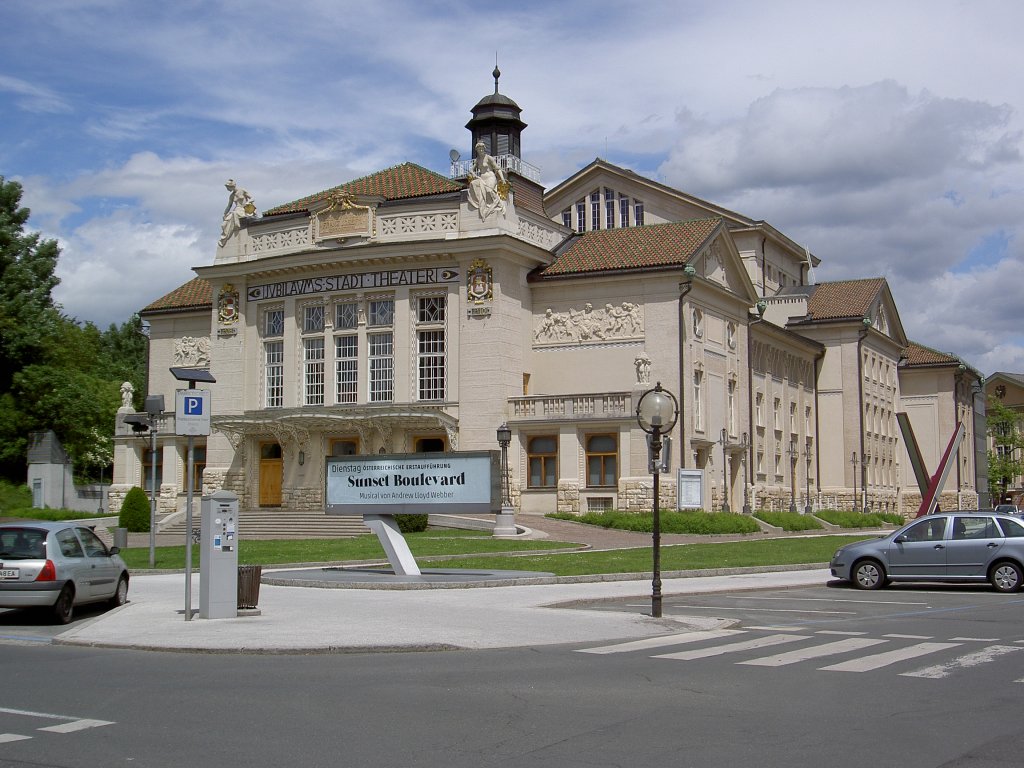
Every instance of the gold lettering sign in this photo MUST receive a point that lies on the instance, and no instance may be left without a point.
(344, 223)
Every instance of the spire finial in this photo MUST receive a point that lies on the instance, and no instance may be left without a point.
(497, 72)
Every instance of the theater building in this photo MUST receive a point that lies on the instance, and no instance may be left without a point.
(413, 311)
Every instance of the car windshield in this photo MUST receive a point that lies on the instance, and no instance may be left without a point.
(22, 544)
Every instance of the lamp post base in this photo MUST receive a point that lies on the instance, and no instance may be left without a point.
(505, 522)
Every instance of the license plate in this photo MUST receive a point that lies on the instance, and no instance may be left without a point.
(8, 573)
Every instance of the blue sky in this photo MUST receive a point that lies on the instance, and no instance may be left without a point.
(885, 136)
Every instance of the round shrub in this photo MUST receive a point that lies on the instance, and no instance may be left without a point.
(412, 523)
(135, 511)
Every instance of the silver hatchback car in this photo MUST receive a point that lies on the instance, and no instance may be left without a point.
(960, 546)
(58, 566)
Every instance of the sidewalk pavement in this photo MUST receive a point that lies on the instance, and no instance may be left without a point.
(299, 619)
(329, 617)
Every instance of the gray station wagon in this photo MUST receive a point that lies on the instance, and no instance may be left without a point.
(959, 546)
(58, 566)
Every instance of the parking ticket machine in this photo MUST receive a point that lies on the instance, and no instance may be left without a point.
(218, 556)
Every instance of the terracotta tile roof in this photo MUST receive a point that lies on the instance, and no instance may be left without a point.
(195, 294)
(656, 245)
(395, 183)
(845, 299)
(918, 354)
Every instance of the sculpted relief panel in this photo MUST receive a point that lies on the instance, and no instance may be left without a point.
(192, 351)
(589, 326)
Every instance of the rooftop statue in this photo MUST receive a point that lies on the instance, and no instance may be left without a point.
(488, 184)
(240, 205)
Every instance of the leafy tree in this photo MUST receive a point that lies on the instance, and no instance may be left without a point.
(1005, 463)
(56, 374)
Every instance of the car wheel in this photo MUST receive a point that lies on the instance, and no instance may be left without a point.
(1006, 576)
(120, 596)
(868, 574)
(65, 605)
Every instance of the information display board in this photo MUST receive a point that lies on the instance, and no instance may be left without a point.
(690, 493)
(414, 483)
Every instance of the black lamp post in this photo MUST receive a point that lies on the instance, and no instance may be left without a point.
(504, 522)
(853, 460)
(504, 439)
(745, 445)
(792, 475)
(656, 413)
(725, 471)
(807, 478)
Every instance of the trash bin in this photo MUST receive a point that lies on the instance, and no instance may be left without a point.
(249, 585)
(120, 537)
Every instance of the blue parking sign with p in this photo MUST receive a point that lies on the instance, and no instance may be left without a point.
(192, 412)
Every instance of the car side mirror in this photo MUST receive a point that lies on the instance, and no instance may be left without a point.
(114, 550)
(901, 539)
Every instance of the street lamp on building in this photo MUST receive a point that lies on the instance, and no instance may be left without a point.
(792, 475)
(745, 446)
(807, 478)
(504, 521)
(725, 471)
(656, 413)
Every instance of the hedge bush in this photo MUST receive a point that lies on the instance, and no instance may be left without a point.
(412, 523)
(696, 522)
(844, 518)
(789, 521)
(135, 511)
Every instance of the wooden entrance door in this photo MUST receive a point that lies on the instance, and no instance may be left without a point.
(271, 474)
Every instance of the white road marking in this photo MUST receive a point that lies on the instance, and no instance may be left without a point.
(977, 639)
(879, 660)
(75, 725)
(829, 600)
(744, 645)
(6, 737)
(909, 637)
(814, 652)
(837, 632)
(662, 641)
(763, 610)
(963, 662)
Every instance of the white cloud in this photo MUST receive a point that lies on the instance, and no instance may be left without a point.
(34, 98)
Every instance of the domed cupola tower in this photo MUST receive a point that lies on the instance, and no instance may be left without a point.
(497, 124)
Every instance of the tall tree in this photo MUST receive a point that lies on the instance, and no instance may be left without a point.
(28, 318)
(1006, 462)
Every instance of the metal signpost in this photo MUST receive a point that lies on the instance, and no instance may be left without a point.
(191, 418)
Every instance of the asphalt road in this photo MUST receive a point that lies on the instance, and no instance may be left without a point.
(823, 676)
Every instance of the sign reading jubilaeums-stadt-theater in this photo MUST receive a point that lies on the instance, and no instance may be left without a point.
(414, 483)
(389, 278)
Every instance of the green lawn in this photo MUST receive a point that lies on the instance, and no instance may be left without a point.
(680, 557)
(366, 547)
(448, 544)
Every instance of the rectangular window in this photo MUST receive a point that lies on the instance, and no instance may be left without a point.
(731, 407)
(198, 465)
(382, 367)
(698, 404)
(313, 371)
(313, 318)
(609, 208)
(595, 209)
(638, 213)
(792, 418)
(381, 313)
(581, 216)
(273, 323)
(542, 460)
(602, 461)
(273, 368)
(346, 317)
(431, 365)
(567, 218)
(430, 309)
(346, 368)
(776, 414)
(759, 409)
(147, 470)
(623, 211)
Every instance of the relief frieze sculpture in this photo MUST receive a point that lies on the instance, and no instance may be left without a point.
(589, 325)
(192, 351)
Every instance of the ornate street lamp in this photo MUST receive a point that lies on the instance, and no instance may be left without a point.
(807, 478)
(656, 413)
(853, 460)
(725, 471)
(504, 522)
(745, 446)
(792, 475)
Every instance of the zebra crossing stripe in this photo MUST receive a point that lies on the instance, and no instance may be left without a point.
(814, 652)
(744, 645)
(886, 658)
(963, 662)
(6, 737)
(75, 725)
(663, 640)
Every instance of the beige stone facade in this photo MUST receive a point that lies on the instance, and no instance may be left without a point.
(390, 316)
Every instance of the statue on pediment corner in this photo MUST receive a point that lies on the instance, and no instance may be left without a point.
(489, 187)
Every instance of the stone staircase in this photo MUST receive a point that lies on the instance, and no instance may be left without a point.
(277, 523)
